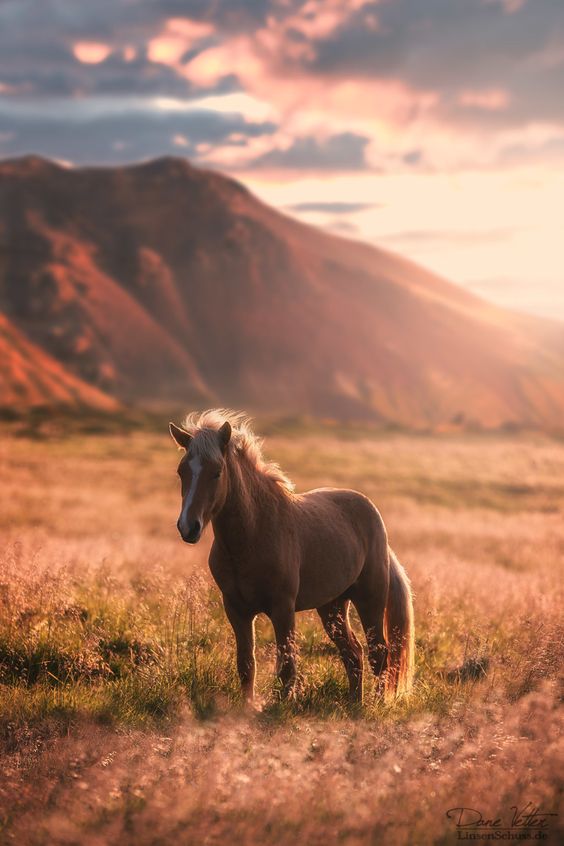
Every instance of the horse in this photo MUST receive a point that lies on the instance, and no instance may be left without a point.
(279, 552)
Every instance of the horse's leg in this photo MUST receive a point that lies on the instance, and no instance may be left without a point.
(283, 618)
(243, 627)
(371, 613)
(335, 619)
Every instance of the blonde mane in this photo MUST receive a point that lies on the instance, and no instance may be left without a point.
(203, 426)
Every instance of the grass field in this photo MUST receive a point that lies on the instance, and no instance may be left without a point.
(120, 718)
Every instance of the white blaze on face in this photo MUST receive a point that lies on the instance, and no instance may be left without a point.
(196, 468)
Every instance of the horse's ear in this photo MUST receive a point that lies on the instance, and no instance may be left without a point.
(180, 437)
(224, 435)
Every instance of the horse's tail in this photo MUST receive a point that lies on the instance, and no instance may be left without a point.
(399, 630)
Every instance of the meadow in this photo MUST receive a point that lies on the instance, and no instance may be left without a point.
(120, 715)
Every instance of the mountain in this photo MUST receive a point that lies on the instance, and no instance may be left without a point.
(30, 377)
(164, 281)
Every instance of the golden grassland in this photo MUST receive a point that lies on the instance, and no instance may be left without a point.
(120, 718)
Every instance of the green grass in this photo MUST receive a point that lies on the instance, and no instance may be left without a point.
(132, 656)
(114, 655)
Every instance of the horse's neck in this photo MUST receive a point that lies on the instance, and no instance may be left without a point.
(237, 523)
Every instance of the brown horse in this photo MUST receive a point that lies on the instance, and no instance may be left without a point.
(278, 552)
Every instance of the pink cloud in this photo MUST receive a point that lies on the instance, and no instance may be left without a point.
(262, 65)
(318, 19)
(91, 52)
(166, 49)
(237, 56)
(129, 53)
(178, 36)
(491, 99)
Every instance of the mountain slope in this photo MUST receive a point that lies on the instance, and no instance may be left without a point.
(162, 280)
(30, 377)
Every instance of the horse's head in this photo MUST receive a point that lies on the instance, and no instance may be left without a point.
(202, 476)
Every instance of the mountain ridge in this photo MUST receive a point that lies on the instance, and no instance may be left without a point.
(163, 280)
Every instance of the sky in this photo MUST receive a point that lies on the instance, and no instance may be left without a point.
(434, 128)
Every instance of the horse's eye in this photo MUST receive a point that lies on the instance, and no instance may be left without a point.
(216, 475)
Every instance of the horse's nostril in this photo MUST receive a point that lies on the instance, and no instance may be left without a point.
(194, 530)
(191, 532)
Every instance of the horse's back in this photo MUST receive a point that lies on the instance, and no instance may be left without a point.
(345, 504)
(338, 529)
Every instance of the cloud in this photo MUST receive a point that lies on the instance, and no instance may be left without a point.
(491, 99)
(332, 207)
(59, 47)
(546, 151)
(342, 227)
(120, 73)
(452, 237)
(411, 77)
(91, 52)
(177, 39)
(343, 152)
(479, 56)
(88, 135)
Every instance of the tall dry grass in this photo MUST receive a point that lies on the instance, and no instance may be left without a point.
(120, 717)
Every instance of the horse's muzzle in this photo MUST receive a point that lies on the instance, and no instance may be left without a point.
(190, 533)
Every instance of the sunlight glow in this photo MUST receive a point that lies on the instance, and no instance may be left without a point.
(444, 223)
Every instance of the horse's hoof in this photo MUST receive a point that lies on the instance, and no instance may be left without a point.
(253, 706)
